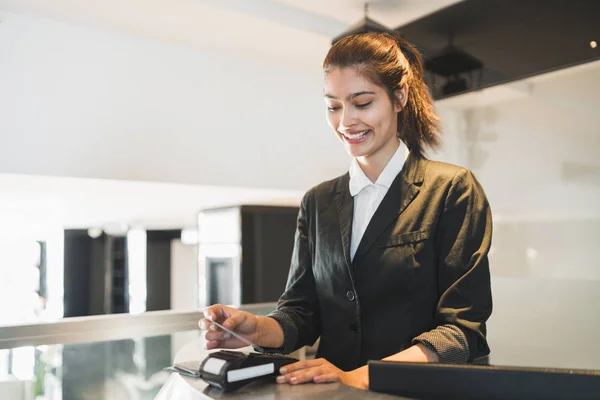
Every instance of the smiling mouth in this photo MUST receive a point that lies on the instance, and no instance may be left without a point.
(356, 137)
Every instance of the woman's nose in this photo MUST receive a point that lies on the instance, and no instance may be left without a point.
(348, 118)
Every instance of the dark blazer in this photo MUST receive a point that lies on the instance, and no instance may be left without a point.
(421, 263)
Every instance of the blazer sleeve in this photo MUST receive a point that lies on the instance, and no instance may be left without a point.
(463, 241)
(298, 307)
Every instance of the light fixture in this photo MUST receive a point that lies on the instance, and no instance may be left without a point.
(365, 26)
(94, 233)
(593, 44)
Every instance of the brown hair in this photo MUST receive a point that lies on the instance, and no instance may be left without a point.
(390, 62)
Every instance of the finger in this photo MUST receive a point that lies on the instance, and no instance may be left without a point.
(301, 365)
(235, 320)
(326, 378)
(218, 335)
(209, 313)
(215, 312)
(206, 324)
(212, 344)
(305, 375)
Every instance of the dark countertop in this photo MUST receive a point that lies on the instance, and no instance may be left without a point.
(188, 388)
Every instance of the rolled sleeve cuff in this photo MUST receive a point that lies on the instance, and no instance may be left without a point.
(290, 333)
(448, 342)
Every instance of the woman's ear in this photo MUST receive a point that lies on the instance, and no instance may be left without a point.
(401, 97)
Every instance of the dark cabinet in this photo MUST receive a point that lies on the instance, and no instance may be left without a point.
(98, 274)
(95, 274)
(245, 253)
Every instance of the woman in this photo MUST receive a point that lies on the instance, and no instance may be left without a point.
(390, 259)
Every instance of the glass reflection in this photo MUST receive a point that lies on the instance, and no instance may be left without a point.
(128, 369)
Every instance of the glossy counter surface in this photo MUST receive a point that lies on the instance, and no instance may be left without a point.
(117, 357)
(121, 357)
(179, 387)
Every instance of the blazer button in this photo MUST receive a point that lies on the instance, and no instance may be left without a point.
(350, 295)
(353, 328)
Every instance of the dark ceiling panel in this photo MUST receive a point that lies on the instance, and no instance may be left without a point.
(513, 39)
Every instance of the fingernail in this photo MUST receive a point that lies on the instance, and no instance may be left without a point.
(281, 379)
(210, 344)
(226, 335)
(283, 370)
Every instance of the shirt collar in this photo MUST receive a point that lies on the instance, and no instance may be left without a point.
(358, 179)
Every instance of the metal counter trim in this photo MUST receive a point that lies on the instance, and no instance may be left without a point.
(108, 327)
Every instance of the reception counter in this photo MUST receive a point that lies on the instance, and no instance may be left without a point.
(418, 380)
(179, 387)
(122, 357)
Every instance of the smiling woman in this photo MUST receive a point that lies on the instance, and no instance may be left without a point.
(361, 113)
(390, 259)
(386, 67)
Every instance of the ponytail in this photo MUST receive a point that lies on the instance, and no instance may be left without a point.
(417, 123)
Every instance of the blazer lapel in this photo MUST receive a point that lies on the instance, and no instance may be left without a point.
(345, 208)
(401, 193)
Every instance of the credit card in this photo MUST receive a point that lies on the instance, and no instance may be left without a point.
(243, 339)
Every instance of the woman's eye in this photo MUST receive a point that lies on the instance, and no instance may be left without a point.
(333, 108)
(363, 105)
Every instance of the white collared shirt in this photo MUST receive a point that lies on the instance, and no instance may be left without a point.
(368, 195)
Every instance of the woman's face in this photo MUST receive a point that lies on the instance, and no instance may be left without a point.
(361, 113)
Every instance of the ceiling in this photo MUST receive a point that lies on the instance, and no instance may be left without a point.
(291, 33)
(391, 13)
(513, 39)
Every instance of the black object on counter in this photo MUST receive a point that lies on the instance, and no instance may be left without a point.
(448, 381)
(230, 370)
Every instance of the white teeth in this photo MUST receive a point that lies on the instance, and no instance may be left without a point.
(356, 136)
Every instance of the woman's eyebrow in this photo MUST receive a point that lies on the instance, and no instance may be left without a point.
(351, 96)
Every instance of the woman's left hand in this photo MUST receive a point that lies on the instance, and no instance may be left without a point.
(322, 371)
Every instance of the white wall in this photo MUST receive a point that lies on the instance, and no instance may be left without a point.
(536, 154)
(533, 146)
(76, 101)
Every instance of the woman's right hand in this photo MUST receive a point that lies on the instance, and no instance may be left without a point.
(243, 323)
